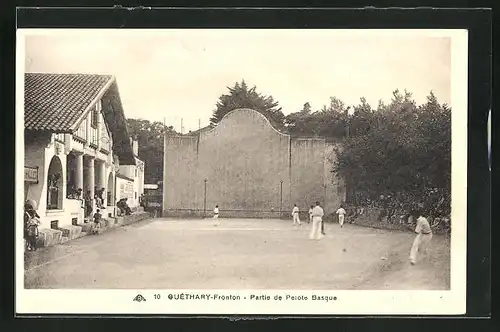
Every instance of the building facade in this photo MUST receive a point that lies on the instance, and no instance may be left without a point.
(249, 169)
(75, 141)
(131, 178)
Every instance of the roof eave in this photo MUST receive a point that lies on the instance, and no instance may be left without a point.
(99, 96)
(114, 115)
(52, 131)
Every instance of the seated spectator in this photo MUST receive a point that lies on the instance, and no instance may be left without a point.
(123, 206)
(128, 211)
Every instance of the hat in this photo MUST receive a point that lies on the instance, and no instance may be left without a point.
(31, 203)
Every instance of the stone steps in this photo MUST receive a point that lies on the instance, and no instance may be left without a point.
(50, 237)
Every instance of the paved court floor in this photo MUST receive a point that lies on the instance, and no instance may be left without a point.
(239, 254)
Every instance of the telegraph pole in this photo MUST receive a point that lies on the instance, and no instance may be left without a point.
(281, 198)
(205, 200)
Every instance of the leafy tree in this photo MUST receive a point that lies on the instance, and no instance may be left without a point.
(241, 96)
(151, 138)
(330, 121)
(400, 147)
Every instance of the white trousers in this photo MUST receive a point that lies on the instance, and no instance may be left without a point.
(316, 229)
(420, 245)
(341, 219)
(215, 219)
(296, 219)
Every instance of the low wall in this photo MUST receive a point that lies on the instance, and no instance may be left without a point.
(369, 218)
(192, 213)
(49, 237)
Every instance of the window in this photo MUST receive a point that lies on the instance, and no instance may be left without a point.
(54, 224)
(59, 137)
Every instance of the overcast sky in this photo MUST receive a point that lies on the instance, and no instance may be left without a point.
(177, 74)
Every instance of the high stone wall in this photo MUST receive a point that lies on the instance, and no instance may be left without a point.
(244, 160)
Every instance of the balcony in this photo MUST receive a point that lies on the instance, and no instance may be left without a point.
(81, 134)
(59, 138)
(94, 138)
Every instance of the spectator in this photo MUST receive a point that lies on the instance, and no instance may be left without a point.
(97, 222)
(31, 223)
(123, 206)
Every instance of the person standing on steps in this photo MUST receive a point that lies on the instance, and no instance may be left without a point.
(31, 223)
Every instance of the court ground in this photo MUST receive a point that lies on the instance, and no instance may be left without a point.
(239, 254)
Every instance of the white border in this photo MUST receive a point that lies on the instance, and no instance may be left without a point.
(348, 302)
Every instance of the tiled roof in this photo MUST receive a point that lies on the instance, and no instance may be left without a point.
(198, 131)
(55, 102)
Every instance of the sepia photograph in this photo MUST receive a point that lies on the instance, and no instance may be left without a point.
(254, 171)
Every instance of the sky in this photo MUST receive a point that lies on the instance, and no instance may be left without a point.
(180, 74)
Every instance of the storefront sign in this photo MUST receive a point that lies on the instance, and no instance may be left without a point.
(31, 174)
(126, 189)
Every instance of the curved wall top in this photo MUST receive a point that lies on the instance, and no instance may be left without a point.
(246, 115)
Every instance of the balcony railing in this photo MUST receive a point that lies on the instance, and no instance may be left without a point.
(94, 137)
(81, 133)
(105, 144)
(59, 138)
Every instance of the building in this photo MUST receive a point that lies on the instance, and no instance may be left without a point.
(75, 140)
(130, 179)
(249, 169)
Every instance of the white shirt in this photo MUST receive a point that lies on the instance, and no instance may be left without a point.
(318, 212)
(423, 226)
(295, 210)
(310, 212)
(216, 211)
(341, 211)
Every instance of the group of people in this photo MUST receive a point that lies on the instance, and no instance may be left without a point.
(99, 197)
(123, 207)
(397, 207)
(31, 223)
(316, 214)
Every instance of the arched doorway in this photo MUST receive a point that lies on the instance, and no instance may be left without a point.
(110, 197)
(55, 184)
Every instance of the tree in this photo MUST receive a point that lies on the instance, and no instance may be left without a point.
(241, 96)
(399, 147)
(150, 136)
(330, 121)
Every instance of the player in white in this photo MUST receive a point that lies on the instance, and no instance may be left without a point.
(311, 214)
(422, 239)
(317, 218)
(216, 216)
(341, 213)
(295, 215)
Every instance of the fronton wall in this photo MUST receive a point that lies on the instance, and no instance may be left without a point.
(251, 170)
